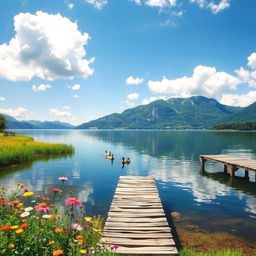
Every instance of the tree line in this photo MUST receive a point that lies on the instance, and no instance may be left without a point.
(2, 123)
(241, 126)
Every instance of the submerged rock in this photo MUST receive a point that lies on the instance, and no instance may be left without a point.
(176, 215)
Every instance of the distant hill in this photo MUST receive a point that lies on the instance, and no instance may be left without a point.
(247, 114)
(12, 123)
(193, 112)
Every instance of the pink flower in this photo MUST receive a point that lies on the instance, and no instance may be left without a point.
(72, 201)
(56, 190)
(42, 207)
(115, 246)
(76, 227)
(63, 178)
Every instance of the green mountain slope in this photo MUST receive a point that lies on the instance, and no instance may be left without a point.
(247, 114)
(193, 112)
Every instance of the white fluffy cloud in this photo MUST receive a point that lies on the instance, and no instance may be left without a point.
(212, 5)
(161, 3)
(45, 46)
(204, 81)
(134, 80)
(151, 99)
(74, 87)
(41, 87)
(76, 96)
(69, 4)
(57, 112)
(98, 4)
(239, 100)
(252, 60)
(16, 113)
(133, 96)
(2, 98)
(248, 76)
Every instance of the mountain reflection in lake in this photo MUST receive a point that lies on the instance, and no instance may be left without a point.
(172, 157)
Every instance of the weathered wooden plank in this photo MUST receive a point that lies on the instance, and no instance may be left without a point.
(131, 220)
(136, 235)
(137, 225)
(146, 250)
(141, 242)
(107, 228)
(134, 215)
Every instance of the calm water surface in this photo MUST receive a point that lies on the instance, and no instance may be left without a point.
(211, 200)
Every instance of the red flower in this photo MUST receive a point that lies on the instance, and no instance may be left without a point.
(24, 225)
(5, 227)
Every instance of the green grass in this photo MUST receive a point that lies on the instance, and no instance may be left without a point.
(223, 252)
(19, 149)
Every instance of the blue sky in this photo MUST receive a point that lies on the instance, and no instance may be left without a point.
(77, 60)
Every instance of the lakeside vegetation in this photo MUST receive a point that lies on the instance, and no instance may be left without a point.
(19, 149)
(242, 126)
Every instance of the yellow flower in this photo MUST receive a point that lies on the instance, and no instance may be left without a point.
(29, 193)
(83, 251)
(51, 242)
(19, 231)
(58, 230)
(106, 239)
(14, 227)
(89, 219)
(11, 246)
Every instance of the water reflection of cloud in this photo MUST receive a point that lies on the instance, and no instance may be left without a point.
(182, 174)
(251, 206)
(85, 192)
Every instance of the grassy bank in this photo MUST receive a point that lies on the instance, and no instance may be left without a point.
(223, 252)
(19, 149)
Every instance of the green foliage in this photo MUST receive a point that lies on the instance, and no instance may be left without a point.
(19, 149)
(194, 112)
(243, 126)
(224, 252)
(2, 123)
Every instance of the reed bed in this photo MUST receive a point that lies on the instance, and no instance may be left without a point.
(19, 149)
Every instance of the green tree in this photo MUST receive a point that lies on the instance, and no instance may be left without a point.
(2, 123)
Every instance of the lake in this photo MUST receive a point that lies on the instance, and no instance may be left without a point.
(211, 200)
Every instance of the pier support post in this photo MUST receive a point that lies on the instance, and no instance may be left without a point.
(225, 169)
(202, 162)
(246, 174)
(232, 169)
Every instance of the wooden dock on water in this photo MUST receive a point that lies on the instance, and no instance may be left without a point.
(136, 221)
(231, 163)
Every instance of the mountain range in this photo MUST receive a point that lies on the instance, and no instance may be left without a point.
(176, 113)
(12, 123)
(196, 112)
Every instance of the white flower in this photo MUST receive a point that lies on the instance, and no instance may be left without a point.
(25, 214)
(46, 216)
(28, 209)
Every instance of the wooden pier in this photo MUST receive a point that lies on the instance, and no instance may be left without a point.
(231, 163)
(136, 222)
